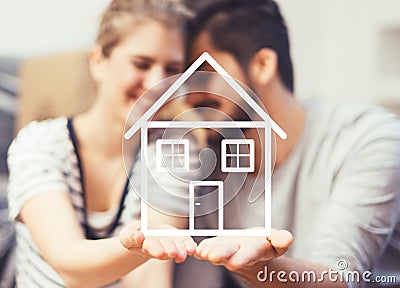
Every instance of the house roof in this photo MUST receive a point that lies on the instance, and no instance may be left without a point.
(185, 76)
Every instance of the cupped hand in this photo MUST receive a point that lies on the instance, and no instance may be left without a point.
(158, 247)
(239, 252)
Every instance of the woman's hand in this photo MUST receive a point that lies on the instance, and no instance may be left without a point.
(239, 252)
(161, 248)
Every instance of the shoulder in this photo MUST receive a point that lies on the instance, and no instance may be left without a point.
(41, 141)
(348, 115)
(41, 135)
(350, 140)
(43, 130)
(359, 124)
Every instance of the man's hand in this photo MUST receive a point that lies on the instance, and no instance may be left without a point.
(238, 252)
(161, 248)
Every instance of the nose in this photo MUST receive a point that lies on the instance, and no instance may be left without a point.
(152, 77)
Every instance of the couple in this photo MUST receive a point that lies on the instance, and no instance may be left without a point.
(336, 180)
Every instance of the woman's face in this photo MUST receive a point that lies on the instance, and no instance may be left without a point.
(147, 55)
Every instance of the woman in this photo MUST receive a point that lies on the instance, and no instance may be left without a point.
(68, 190)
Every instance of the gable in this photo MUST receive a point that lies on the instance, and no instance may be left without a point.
(205, 57)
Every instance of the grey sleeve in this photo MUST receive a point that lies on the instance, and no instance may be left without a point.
(364, 205)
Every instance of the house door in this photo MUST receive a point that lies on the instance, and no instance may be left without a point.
(206, 197)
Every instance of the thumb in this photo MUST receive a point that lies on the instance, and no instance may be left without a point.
(130, 236)
(280, 240)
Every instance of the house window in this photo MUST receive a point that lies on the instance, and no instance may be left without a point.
(237, 155)
(172, 155)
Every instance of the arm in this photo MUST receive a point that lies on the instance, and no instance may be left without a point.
(37, 194)
(356, 225)
(60, 240)
(258, 260)
(143, 276)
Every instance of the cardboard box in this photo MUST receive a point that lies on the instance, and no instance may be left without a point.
(53, 86)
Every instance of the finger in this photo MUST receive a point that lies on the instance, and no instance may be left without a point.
(137, 239)
(190, 246)
(132, 241)
(223, 252)
(154, 248)
(130, 236)
(242, 258)
(204, 244)
(169, 247)
(204, 248)
(280, 240)
(254, 250)
(181, 249)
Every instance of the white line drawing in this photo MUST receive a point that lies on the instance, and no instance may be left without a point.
(182, 79)
(237, 160)
(172, 155)
(266, 123)
(192, 202)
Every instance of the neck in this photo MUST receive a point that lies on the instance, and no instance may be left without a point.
(100, 131)
(288, 114)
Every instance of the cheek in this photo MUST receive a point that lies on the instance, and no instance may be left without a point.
(120, 73)
(130, 79)
(126, 79)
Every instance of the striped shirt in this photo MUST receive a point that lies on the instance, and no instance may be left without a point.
(44, 157)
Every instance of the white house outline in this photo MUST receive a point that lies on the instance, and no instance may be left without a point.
(144, 125)
(159, 158)
(218, 184)
(225, 168)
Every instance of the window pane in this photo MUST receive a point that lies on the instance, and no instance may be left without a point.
(166, 161)
(179, 162)
(180, 149)
(231, 162)
(244, 148)
(244, 162)
(231, 149)
(166, 149)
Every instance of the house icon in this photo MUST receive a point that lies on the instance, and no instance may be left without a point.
(237, 155)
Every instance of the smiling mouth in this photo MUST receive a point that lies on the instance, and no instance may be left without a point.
(132, 96)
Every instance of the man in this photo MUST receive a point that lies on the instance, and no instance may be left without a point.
(336, 185)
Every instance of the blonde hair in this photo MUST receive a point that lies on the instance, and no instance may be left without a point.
(120, 16)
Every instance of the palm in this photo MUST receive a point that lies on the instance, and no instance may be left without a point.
(157, 247)
(239, 252)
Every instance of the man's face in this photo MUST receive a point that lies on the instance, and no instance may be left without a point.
(228, 101)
